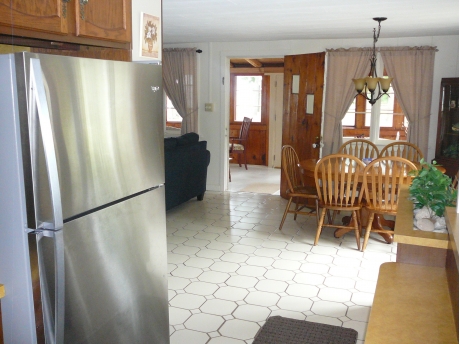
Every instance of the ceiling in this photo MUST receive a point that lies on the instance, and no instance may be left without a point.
(195, 21)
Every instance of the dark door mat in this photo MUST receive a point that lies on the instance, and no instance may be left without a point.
(280, 330)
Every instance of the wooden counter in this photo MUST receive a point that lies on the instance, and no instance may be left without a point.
(411, 305)
(415, 246)
(416, 299)
(452, 223)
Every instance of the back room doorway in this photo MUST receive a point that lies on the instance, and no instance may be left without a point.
(256, 91)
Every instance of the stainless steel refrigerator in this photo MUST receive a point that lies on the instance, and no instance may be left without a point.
(82, 210)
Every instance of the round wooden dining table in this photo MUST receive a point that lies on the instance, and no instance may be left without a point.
(307, 168)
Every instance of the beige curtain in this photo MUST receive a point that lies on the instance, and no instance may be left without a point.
(412, 69)
(342, 66)
(179, 80)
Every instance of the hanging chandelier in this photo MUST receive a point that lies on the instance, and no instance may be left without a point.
(372, 84)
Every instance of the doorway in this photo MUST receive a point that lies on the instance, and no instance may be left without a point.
(256, 91)
(265, 137)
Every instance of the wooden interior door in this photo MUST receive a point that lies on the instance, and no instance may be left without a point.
(302, 109)
(257, 145)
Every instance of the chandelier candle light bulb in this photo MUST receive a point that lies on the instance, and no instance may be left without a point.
(375, 85)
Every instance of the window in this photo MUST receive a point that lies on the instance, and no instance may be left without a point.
(383, 121)
(173, 119)
(246, 97)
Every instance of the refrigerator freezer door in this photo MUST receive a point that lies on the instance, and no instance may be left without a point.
(115, 261)
(107, 124)
(38, 109)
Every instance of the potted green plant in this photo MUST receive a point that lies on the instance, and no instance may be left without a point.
(432, 189)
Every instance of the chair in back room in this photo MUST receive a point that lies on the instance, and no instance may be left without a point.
(237, 145)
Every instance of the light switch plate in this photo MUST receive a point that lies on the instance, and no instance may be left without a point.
(209, 107)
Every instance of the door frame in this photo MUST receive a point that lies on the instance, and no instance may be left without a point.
(225, 106)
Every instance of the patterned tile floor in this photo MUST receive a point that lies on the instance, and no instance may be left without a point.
(230, 268)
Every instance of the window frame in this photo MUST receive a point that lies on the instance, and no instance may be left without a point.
(264, 101)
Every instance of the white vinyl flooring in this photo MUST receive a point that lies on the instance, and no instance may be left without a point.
(230, 268)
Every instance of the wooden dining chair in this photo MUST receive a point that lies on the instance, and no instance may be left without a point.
(380, 190)
(360, 148)
(297, 191)
(337, 184)
(238, 144)
(404, 150)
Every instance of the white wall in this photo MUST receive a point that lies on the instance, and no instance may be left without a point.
(214, 65)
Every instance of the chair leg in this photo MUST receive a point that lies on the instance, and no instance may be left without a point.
(245, 159)
(320, 225)
(317, 211)
(329, 217)
(334, 213)
(285, 213)
(296, 201)
(357, 231)
(368, 230)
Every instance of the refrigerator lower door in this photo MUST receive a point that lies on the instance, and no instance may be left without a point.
(115, 280)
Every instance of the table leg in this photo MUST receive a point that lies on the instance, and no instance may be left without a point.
(378, 222)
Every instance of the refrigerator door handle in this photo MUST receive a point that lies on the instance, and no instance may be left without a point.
(54, 330)
(38, 103)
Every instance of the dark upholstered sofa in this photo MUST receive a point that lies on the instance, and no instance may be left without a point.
(186, 167)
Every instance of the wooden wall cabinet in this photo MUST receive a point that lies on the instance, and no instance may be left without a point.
(447, 137)
(44, 15)
(104, 19)
(92, 22)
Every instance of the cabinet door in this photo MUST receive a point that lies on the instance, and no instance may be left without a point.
(104, 19)
(38, 15)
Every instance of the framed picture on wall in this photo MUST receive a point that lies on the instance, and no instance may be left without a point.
(150, 36)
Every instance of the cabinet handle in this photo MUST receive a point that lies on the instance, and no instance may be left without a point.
(64, 8)
(82, 8)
